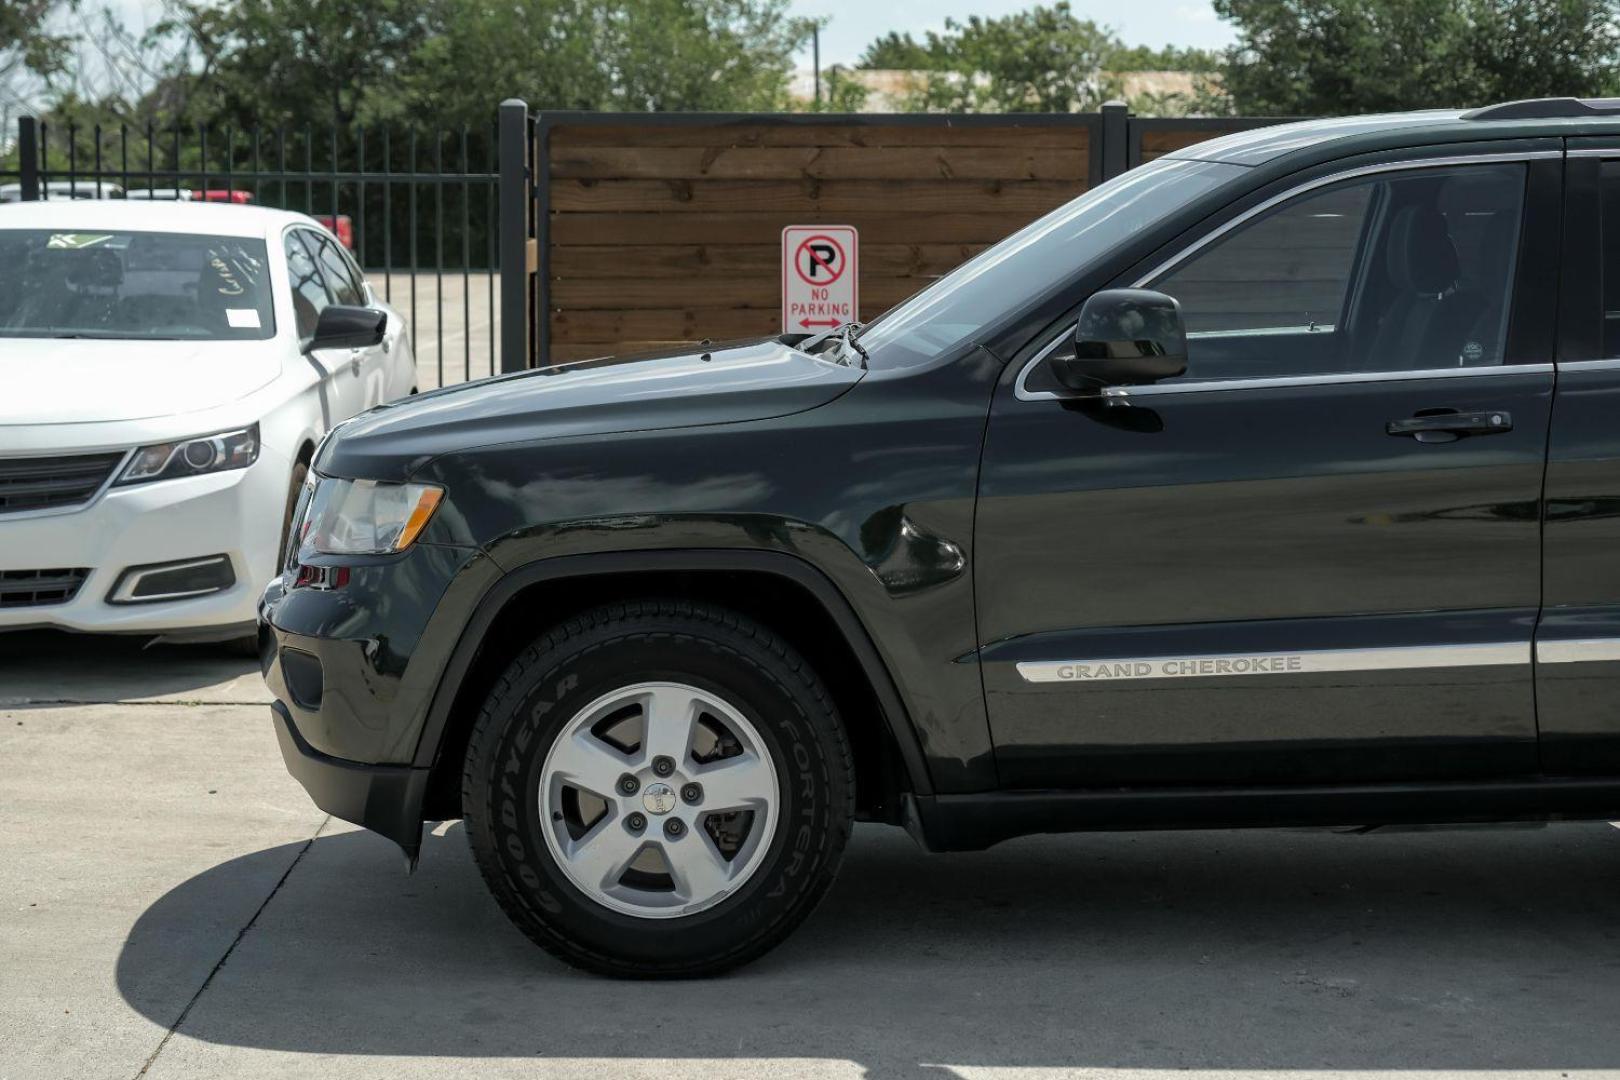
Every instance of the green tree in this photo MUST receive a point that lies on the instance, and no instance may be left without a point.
(1312, 57)
(1169, 58)
(299, 61)
(25, 40)
(647, 55)
(900, 52)
(841, 92)
(1045, 59)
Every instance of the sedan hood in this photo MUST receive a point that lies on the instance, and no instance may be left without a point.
(78, 381)
(728, 384)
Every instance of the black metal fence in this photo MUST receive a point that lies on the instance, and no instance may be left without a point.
(418, 208)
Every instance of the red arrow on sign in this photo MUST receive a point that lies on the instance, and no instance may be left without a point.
(808, 323)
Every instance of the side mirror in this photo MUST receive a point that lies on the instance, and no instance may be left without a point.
(1125, 337)
(341, 327)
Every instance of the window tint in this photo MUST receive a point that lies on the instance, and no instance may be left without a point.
(309, 293)
(1397, 272)
(339, 274)
(1290, 269)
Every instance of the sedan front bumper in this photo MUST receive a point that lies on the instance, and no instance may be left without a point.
(238, 514)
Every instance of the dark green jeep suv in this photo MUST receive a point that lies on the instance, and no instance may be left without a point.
(1275, 482)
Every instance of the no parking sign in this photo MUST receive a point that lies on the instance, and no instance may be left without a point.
(820, 277)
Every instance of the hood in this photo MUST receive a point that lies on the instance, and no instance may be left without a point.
(53, 381)
(726, 384)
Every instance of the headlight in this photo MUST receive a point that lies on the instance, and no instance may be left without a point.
(193, 457)
(366, 517)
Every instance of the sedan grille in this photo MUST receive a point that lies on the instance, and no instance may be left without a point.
(36, 588)
(53, 483)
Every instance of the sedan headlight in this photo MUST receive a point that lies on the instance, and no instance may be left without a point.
(193, 457)
(366, 517)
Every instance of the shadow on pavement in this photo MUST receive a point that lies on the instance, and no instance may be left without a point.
(1239, 951)
(46, 667)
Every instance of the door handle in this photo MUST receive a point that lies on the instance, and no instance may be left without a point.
(354, 362)
(1449, 426)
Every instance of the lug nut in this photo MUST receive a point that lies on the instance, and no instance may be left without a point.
(674, 828)
(628, 785)
(663, 766)
(691, 793)
(635, 822)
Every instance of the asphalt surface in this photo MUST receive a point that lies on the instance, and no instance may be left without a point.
(171, 905)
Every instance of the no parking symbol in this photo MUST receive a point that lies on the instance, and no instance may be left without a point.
(820, 277)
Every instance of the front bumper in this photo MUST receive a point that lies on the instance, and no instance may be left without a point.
(354, 670)
(237, 513)
(387, 799)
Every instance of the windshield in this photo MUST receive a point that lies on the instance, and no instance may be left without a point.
(993, 283)
(140, 286)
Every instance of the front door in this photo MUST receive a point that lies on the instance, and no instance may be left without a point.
(1314, 557)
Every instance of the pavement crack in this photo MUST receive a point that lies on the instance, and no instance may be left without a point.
(240, 934)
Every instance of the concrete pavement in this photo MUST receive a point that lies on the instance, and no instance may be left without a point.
(172, 906)
(455, 321)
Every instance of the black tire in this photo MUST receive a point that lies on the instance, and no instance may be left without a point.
(614, 646)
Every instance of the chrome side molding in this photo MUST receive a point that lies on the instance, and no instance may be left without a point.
(1577, 650)
(1308, 662)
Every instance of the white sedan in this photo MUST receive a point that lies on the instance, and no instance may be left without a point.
(166, 371)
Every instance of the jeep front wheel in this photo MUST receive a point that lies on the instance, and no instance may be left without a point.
(658, 789)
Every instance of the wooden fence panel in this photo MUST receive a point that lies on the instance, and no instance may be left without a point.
(664, 232)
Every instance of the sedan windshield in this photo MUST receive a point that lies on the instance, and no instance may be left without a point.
(139, 286)
(997, 281)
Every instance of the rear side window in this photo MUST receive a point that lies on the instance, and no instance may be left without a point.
(1399, 271)
(137, 286)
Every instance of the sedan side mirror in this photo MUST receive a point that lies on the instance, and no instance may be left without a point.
(341, 327)
(1125, 337)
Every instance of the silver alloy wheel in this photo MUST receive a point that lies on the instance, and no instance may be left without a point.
(704, 824)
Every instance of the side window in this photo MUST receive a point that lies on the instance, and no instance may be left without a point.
(355, 273)
(309, 293)
(1395, 272)
(1288, 271)
(1610, 213)
(339, 274)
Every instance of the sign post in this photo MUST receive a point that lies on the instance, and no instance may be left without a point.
(820, 278)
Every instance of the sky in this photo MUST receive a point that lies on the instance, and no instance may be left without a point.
(855, 23)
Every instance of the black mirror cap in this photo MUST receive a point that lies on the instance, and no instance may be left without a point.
(1125, 337)
(342, 327)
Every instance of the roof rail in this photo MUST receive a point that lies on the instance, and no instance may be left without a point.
(1546, 109)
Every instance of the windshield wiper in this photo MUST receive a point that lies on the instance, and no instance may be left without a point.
(843, 336)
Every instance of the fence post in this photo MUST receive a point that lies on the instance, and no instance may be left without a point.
(513, 154)
(1116, 126)
(28, 151)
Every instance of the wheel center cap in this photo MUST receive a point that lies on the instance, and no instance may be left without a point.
(658, 798)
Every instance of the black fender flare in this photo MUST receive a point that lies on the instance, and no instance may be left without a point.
(895, 715)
